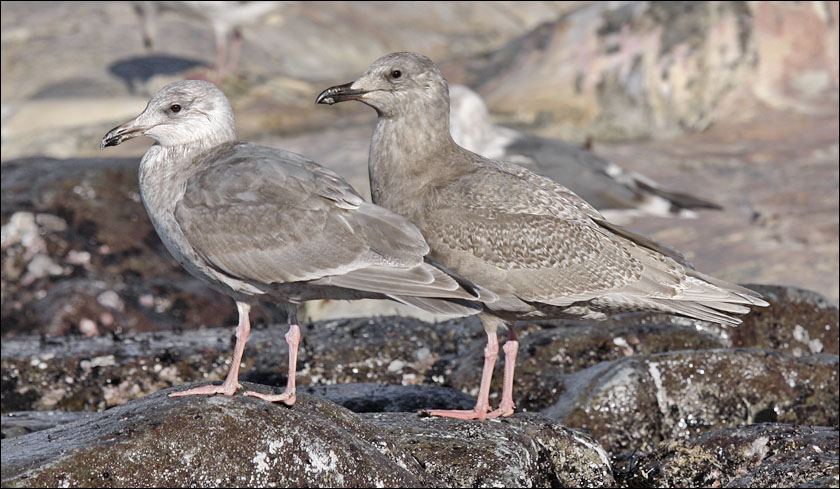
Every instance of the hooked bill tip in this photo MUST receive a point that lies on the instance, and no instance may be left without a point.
(109, 141)
(338, 93)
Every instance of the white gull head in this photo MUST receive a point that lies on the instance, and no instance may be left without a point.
(181, 113)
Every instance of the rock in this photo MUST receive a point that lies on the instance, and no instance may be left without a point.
(200, 441)
(390, 350)
(759, 455)
(798, 321)
(359, 398)
(648, 69)
(636, 402)
(385, 398)
(526, 450)
(797, 62)
(24, 422)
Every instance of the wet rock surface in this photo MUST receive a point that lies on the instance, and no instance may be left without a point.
(384, 398)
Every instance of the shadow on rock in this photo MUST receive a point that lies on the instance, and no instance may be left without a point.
(135, 72)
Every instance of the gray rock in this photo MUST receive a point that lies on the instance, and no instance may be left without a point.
(648, 69)
(760, 455)
(359, 398)
(798, 321)
(633, 403)
(202, 441)
(382, 398)
(24, 422)
(199, 441)
(526, 450)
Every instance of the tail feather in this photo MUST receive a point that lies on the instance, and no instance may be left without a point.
(697, 310)
(677, 199)
(425, 280)
(444, 308)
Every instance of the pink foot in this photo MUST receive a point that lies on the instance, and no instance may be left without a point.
(287, 398)
(506, 407)
(231, 383)
(482, 405)
(459, 414)
(208, 390)
(293, 339)
(502, 412)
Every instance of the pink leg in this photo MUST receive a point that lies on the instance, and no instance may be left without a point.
(231, 383)
(293, 339)
(221, 35)
(235, 51)
(491, 352)
(511, 347)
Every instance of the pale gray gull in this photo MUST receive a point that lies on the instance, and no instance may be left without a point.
(260, 223)
(619, 194)
(542, 249)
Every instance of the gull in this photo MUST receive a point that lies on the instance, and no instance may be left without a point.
(539, 247)
(261, 223)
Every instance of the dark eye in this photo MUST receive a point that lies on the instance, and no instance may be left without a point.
(396, 74)
(175, 108)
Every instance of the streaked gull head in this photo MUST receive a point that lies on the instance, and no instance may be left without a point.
(180, 113)
(395, 85)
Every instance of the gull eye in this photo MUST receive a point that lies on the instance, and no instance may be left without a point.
(396, 74)
(175, 108)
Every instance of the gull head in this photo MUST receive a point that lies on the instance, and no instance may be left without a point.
(396, 84)
(180, 113)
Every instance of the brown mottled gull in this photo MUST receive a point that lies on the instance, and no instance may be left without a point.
(618, 194)
(260, 223)
(540, 247)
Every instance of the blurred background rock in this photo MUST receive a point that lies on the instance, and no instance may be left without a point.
(733, 102)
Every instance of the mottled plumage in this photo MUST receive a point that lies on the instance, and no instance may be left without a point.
(618, 193)
(262, 223)
(542, 249)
